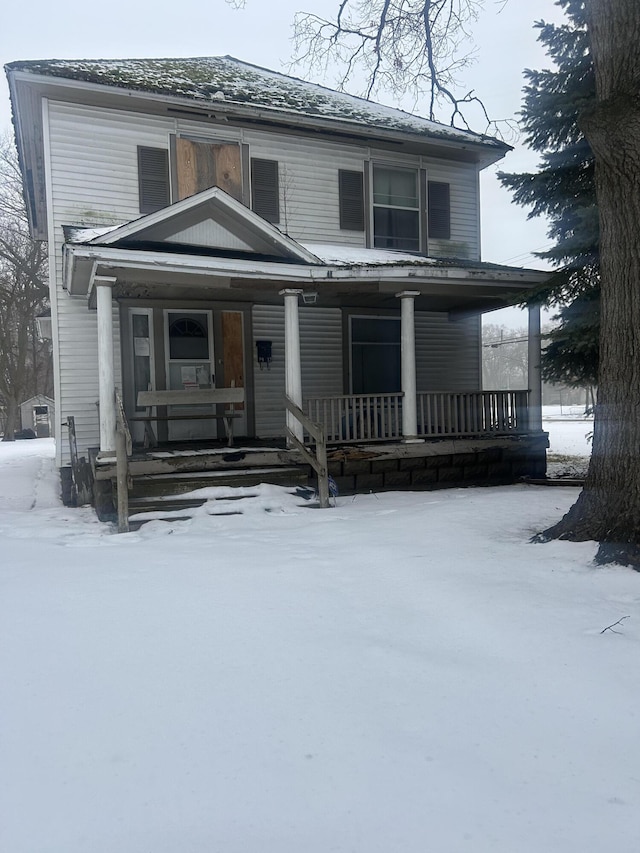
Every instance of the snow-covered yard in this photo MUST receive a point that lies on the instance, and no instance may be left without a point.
(402, 673)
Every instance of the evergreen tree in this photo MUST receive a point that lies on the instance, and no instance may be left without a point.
(564, 190)
(608, 508)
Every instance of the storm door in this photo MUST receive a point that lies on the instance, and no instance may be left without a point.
(142, 371)
(190, 365)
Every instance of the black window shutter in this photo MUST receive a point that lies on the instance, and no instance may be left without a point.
(153, 179)
(351, 186)
(439, 212)
(265, 189)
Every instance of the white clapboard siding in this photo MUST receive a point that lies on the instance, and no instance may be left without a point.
(320, 354)
(77, 384)
(95, 173)
(464, 201)
(78, 388)
(94, 161)
(447, 352)
(308, 174)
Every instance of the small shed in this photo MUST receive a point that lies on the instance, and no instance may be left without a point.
(38, 413)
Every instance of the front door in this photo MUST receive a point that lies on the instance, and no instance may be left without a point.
(178, 349)
(190, 365)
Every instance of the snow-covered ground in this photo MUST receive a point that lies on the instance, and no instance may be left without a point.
(400, 674)
(569, 440)
(569, 430)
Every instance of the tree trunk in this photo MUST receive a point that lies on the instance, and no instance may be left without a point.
(608, 509)
(11, 422)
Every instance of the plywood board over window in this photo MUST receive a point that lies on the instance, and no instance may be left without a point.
(202, 165)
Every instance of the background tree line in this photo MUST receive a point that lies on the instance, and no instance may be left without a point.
(25, 360)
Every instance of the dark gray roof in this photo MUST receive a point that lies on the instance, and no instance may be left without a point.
(225, 81)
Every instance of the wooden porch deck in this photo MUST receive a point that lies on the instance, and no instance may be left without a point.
(463, 439)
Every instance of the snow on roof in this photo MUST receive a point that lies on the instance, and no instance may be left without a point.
(224, 80)
(80, 234)
(352, 256)
(334, 255)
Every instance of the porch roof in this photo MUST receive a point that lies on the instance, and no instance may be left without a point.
(211, 246)
(442, 284)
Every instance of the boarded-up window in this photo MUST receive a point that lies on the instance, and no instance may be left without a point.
(439, 211)
(351, 187)
(153, 179)
(201, 165)
(265, 189)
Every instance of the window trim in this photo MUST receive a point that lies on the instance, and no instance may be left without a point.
(400, 167)
(350, 317)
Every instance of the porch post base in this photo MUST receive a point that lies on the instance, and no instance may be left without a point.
(408, 439)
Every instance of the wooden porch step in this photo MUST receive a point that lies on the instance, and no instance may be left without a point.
(176, 508)
(160, 461)
(159, 485)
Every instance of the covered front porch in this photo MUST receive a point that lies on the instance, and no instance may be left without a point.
(360, 351)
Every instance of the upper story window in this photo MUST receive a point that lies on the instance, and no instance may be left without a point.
(201, 165)
(396, 208)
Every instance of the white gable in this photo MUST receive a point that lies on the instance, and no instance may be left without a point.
(209, 220)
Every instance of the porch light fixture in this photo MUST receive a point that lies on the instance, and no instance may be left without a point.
(309, 298)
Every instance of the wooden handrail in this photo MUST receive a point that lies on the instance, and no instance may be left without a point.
(317, 462)
(123, 452)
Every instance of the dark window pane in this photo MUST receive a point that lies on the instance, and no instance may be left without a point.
(188, 339)
(396, 229)
(375, 355)
(375, 330)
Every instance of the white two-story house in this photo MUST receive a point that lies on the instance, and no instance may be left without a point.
(214, 225)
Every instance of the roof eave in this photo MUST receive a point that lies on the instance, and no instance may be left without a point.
(80, 259)
(488, 151)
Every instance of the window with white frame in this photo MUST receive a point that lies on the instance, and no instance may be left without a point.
(396, 208)
(375, 355)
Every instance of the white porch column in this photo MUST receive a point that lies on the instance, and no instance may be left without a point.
(293, 368)
(408, 360)
(106, 374)
(534, 374)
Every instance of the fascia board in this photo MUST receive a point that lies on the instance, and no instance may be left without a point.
(387, 278)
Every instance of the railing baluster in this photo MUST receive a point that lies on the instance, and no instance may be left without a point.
(378, 417)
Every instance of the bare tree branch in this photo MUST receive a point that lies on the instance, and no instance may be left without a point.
(612, 626)
(401, 46)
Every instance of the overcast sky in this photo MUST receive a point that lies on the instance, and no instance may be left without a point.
(261, 33)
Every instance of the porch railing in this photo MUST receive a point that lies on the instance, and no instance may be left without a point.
(378, 417)
(358, 417)
(474, 413)
(317, 460)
